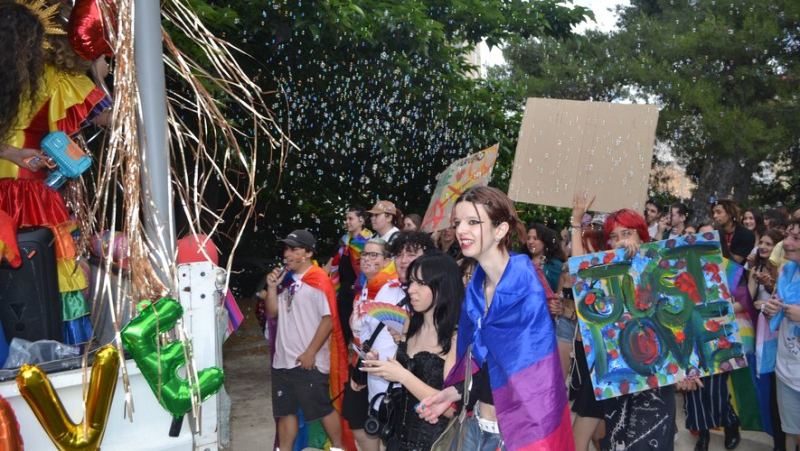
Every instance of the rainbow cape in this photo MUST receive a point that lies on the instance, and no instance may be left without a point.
(374, 286)
(352, 246)
(317, 278)
(528, 384)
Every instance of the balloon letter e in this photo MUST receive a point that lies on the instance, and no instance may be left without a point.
(139, 337)
(46, 405)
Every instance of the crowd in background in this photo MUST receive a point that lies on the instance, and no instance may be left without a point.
(488, 284)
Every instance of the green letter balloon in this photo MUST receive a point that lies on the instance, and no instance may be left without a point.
(139, 337)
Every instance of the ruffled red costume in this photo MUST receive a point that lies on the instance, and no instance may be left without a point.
(65, 102)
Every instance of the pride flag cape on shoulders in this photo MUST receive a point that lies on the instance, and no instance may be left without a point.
(374, 286)
(317, 278)
(527, 384)
(352, 247)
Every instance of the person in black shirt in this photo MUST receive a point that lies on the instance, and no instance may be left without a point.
(345, 264)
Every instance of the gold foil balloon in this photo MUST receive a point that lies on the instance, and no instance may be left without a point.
(35, 387)
(160, 366)
(10, 438)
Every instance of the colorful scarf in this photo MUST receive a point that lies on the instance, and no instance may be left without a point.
(527, 385)
(317, 278)
(373, 287)
(788, 293)
(352, 246)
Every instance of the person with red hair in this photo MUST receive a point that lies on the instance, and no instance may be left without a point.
(640, 421)
(629, 221)
(646, 419)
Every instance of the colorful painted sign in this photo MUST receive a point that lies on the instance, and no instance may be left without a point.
(654, 319)
(473, 170)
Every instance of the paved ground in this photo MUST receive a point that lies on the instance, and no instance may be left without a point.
(248, 384)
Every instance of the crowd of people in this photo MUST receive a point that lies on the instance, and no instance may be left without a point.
(488, 285)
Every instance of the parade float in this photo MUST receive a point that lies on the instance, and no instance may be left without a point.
(151, 376)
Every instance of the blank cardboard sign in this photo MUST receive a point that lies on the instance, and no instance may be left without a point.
(567, 145)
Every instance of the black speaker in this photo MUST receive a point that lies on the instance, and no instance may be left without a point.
(30, 304)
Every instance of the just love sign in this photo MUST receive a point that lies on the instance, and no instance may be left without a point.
(657, 318)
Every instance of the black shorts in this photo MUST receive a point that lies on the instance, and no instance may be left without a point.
(355, 406)
(297, 388)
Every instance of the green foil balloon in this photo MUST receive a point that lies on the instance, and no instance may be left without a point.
(139, 337)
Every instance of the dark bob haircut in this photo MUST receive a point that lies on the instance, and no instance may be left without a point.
(441, 274)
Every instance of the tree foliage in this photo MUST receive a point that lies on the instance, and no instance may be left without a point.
(377, 96)
(723, 73)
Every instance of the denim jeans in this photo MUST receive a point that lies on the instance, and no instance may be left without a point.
(478, 440)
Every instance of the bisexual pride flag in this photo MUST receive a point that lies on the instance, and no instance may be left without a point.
(516, 340)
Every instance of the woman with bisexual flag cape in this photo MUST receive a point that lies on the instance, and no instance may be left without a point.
(343, 267)
(522, 402)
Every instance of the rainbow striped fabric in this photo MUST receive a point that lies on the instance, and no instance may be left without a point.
(351, 246)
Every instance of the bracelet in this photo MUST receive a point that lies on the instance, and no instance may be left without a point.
(575, 225)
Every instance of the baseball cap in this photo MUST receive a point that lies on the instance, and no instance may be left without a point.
(300, 238)
(383, 206)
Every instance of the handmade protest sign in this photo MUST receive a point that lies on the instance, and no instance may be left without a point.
(566, 145)
(473, 170)
(657, 318)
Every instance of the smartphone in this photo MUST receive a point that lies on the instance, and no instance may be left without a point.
(359, 351)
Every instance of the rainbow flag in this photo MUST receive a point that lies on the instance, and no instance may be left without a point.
(351, 246)
(528, 384)
(235, 316)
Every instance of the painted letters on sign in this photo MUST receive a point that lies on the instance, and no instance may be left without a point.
(473, 170)
(654, 319)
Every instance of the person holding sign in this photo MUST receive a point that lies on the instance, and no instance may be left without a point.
(643, 420)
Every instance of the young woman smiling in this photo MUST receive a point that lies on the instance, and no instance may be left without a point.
(377, 270)
(520, 393)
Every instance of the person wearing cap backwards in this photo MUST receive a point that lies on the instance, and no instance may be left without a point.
(308, 345)
(385, 217)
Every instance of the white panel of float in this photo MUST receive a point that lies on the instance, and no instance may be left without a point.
(148, 431)
(200, 293)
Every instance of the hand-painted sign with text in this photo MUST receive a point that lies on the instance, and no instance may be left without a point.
(473, 170)
(657, 318)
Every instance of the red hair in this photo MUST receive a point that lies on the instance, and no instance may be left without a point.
(630, 220)
(593, 235)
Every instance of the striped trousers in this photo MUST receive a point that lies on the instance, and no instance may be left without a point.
(709, 407)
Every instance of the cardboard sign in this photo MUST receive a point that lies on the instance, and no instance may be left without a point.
(473, 170)
(659, 317)
(566, 145)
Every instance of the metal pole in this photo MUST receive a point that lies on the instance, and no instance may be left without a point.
(156, 180)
